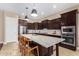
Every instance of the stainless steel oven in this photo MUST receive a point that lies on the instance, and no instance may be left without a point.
(68, 33)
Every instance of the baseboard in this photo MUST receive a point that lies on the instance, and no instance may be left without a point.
(10, 42)
(3, 42)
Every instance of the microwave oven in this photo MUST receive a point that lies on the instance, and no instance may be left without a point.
(68, 29)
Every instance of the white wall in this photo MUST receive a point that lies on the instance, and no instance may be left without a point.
(8, 26)
(1, 26)
(11, 29)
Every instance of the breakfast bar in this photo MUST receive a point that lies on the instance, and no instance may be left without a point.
(45, 43)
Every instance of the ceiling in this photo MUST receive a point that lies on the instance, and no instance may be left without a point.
(43, 9)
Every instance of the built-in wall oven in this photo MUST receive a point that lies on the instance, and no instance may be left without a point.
(68, 33)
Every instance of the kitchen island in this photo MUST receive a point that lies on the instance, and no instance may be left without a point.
(45, 43)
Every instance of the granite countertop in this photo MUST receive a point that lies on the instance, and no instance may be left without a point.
(50, 34)
(45, 41)
(55, 34)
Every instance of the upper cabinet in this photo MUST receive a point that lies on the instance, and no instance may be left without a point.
(22, 22)
(48, 24)
(45, 24)
(69, 18)
(30, 26)
(34, 25)
(54, 24)
(40, 26)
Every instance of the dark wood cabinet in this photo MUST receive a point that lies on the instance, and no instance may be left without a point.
(45, 24)
(36, 25)
(40, 26)
(30, 26)
(48, 24)
(54, 24)
(57, 23)
(33, 26)
(22, 22)
(69, 18)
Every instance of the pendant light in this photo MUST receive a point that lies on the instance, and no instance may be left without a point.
(34, 12)
(26, 18)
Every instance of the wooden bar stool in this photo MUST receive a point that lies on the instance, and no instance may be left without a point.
(20, 44)
(25, 47)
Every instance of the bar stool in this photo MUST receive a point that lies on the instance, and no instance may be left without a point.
(26, 47)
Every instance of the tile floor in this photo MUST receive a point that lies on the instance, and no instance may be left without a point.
(11, 49)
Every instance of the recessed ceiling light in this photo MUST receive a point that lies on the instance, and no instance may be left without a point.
(54, 6)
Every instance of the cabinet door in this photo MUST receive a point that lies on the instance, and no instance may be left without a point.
(54, 24)
(29, 25)
(69, 18)
(57, 23)
(40, 26)
(35, 25)
(50, 24)
(64, 19)
(32, 26)
(22, 22)
(72, 18)
(45, 24)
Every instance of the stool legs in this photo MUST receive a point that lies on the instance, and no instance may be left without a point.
(37, 51)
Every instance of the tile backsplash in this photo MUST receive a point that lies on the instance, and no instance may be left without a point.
(46, 31)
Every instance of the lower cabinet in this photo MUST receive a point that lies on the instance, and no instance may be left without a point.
(42, 50)
(68, 46)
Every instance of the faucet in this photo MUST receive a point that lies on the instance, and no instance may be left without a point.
(39, 31)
